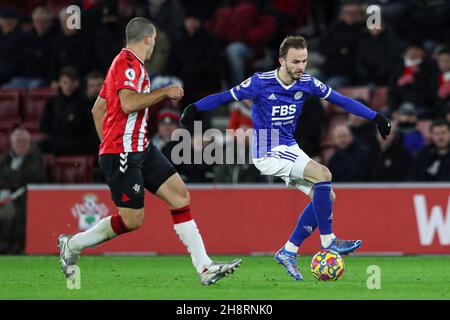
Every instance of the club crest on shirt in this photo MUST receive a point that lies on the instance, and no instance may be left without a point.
(130, 74)
(298, 95)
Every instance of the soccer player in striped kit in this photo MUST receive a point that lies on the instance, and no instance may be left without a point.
(278, 97)
(130, 162)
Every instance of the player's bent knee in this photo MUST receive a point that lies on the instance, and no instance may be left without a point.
(324, 174)
(184, 198)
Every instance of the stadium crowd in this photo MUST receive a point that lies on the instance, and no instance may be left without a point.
(50, 75)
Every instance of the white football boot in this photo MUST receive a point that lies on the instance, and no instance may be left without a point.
(67, 257)
(218, 270)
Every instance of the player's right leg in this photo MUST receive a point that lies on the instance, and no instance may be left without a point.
(127, 193)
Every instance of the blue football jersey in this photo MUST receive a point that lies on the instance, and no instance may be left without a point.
(276, 107)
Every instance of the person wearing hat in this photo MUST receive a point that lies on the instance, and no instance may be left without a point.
(412, 138)
(167, 124)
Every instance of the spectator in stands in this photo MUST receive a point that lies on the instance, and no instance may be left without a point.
(159, 61)
(411, 137)
(349, 161)
(94, 83)
(35, 53)
(339, 43)
(108, 36)
(363, 131)
(167, 124)
(11, 43)
(71, 47)
(414, 80)
(194, 57)
(443, 60)
(168, 15)
(21, 165)
(66, 119)
(432, 163)
(247, 32)
(309, 126)
(388, 160)
(376, 54)
(241, 115)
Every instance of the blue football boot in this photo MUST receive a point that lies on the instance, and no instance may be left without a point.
(289, 262)
(343, 246)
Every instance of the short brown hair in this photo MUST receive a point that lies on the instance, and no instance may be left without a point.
(138, 28)
(297, 42)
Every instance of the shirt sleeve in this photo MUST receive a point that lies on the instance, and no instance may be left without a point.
(127, 75)
(318, 88)
(102, 93)
(248, 89)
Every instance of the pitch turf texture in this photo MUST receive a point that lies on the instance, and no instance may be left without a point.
(173, 277)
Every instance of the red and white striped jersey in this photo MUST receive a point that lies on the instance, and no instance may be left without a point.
(124, 132)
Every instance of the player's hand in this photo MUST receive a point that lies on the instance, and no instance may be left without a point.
(187, 118)
(383, 125)
(174, 92)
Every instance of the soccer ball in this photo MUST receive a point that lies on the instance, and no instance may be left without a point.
(327, 265)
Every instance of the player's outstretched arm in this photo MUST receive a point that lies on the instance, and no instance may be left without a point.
(99, 113)
(132, 101)
(359, 109)
(206, 104)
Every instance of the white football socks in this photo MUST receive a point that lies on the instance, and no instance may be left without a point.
(99, 233)
(190, 236)
(289, 246)
(327, 239)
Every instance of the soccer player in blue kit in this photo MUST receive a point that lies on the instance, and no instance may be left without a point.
(278, 97)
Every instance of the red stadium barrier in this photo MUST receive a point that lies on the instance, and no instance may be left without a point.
(390, 219)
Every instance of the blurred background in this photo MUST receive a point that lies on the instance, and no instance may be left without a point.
(50, 77)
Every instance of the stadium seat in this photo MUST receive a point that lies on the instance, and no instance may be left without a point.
(34, 104)
(4, 143)
(73, 169)
(10, 106)
(379, 99)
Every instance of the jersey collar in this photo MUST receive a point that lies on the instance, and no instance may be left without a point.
(126, 49)
(287, 87)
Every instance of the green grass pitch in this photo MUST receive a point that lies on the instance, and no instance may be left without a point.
(173, 277)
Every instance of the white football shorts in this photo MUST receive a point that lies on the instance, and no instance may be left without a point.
(288, 163)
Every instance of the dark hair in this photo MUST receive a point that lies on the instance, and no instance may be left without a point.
(138, 28)
(439, 123)
(297, 42)
(444, 50)
(95, 75)
(70, 72)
